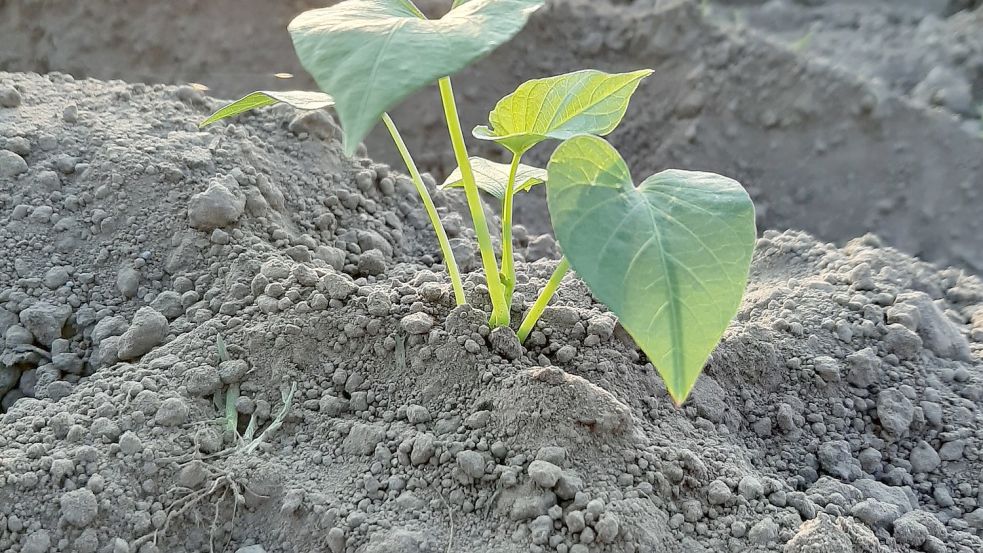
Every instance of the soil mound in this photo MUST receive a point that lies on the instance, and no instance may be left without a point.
(840, 413)
(124, 226)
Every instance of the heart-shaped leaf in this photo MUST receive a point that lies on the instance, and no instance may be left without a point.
(670, 257)
(371, 54)
(300, 99)
(493, 177)
(589, 101)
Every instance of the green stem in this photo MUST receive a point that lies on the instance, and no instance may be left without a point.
(500, 310)
(231, 415)
(508, 258)
(544, 299)
(445, 247)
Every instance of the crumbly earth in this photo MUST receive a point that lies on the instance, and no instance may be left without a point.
(841, 412)
(866, 126)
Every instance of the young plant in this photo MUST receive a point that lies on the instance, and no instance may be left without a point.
(670, 257)
(369, 55)
(553, 108)
(231, 396)
(230, 419)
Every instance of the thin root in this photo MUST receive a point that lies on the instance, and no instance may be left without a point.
(183, 504)
(450, 515)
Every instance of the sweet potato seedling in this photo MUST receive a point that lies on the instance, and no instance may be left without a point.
(670, 257)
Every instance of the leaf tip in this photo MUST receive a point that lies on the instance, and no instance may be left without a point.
(481, 132)
(678, 399)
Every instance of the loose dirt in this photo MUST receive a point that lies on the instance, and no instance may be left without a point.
(840, 412)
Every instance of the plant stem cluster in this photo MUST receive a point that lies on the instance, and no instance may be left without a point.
(501, 282)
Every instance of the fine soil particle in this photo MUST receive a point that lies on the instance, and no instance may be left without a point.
(371, 414)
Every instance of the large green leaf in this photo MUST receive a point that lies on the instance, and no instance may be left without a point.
(371, 54)
(670, 257)
(559, 107)
(493, 177)
(300, 99)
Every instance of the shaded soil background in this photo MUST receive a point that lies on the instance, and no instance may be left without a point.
(840, 117)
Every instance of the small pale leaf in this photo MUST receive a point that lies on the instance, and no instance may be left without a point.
(493, 177)
(670, 257)
(588, 101)
(300, 99)
(371, 54)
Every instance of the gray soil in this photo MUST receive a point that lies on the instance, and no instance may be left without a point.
(841, 412)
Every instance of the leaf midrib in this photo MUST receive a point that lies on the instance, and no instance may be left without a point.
(675, 326)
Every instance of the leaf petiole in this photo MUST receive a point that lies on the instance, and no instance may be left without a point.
(445, 247)
(500, 310)
(508, 260)
(544, 299)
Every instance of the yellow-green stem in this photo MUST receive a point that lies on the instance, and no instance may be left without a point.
(500, 310)
(543, 300)
(508, 260)
(445, 247)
